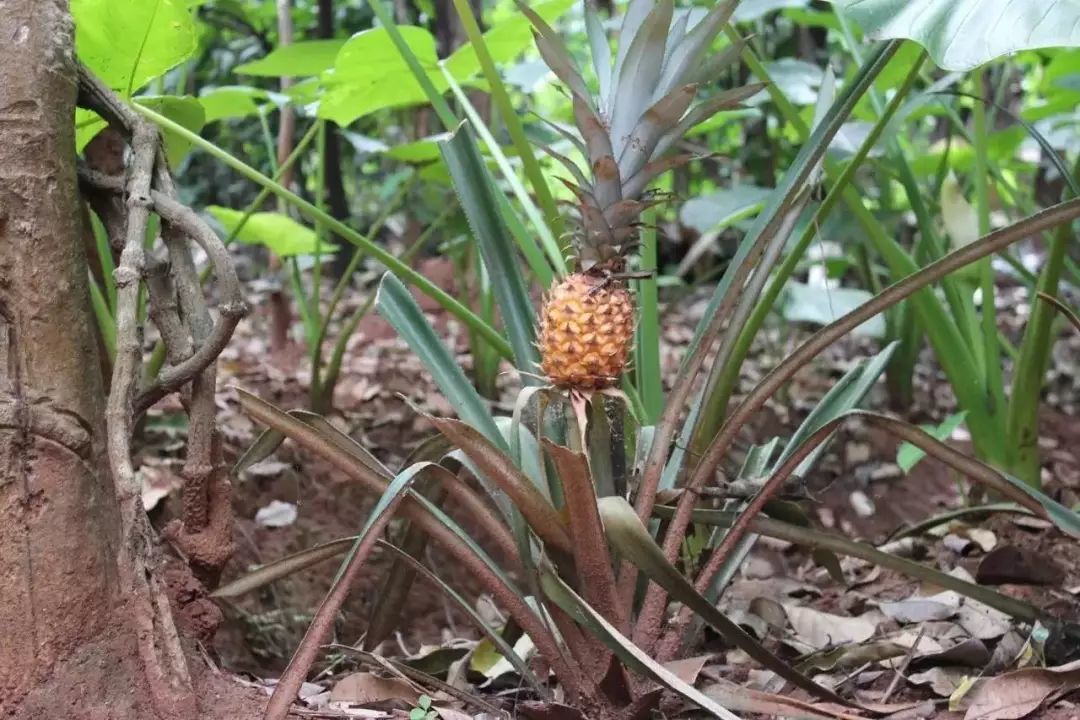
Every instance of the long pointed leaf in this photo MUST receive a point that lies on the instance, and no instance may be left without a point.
(323, 622)
(341, 440)
(633, 542)
(636, 12)
(600, 50)
(397, 305)
(513, 125)
(273, 571)
(727, 100)
(842, 546)
(476, 192)
(497, 467)
(631, 655)
(556, 56)
(689, 52)
(639, 74)
(529, 247)
(490, 633)
(652, 125)
(591, 558)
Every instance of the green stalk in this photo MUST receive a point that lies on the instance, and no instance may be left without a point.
(107, 323)
(104, 253)
(1022, 422)
(329, 379)
(534, 256)
(511, 118)
(303, 303)
(302, 300)
(995, 381)
(401, 270)
(957, 297)
(647, 368)
(320, 228)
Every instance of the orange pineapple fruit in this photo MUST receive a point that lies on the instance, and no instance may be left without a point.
(647, 100)
(586, 330)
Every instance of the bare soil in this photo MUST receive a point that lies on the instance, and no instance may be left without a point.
(857, 490)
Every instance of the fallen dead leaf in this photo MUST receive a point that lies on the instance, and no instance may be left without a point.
(917, 610)
(363, 688)
(942, 680)
(688, 669)
(1018, 694)
(985, 539)
(852, 656)
(983, 621)
(1012, 565)
(276, 514)
(1030, 522)
(158, 482)
(820, 629)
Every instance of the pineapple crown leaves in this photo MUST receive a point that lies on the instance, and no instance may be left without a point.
(646, 98)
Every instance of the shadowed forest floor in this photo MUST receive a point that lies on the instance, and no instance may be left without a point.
(856, 636)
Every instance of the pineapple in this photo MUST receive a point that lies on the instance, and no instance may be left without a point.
(645, 104)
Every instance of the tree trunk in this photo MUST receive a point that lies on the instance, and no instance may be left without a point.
(71, 642)
(57, 509)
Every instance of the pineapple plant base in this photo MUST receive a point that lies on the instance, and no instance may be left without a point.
(586, 330)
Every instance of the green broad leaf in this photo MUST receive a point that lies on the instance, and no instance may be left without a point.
(420, 151)
(186, 111)
(814, 18)
(278, 232)
(476, 191)
(908, 456)
(87, 125)
(370, 74)
(799, 80)
(708, 213)
(505, 40)
(304, 92)
(749, 10)
(301, 59)
(821, 306)
(128, 43)
(963, 34)
(232, 102)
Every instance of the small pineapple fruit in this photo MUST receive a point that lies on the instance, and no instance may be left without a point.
(586, 328)
(645, 105)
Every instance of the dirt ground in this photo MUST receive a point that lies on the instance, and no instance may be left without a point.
(857, 489)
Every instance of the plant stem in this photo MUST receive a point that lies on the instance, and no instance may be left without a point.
(404, 272)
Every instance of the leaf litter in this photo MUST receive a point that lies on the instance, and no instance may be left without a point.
(856, 636)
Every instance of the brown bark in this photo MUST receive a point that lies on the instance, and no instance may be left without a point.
(57, 579)
(85, 631)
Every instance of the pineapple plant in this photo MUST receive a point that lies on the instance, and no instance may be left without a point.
(649, 97)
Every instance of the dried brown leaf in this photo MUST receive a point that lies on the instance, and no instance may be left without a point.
(1018, 694)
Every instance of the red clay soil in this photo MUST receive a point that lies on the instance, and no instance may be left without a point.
(102, 681)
